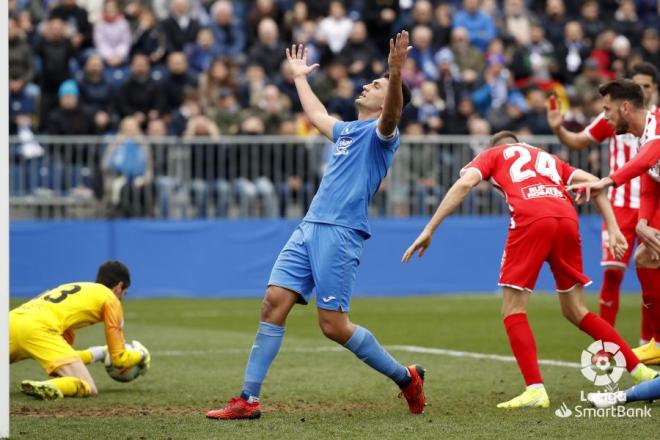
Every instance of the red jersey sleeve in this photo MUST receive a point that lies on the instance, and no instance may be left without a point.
(649, 197)
(648, 156)
(483, 163)
(566, 171)
(599, 129)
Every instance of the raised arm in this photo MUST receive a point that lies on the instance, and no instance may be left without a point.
(455, 196)
(576, 141)
(314, 109)
(393, 105)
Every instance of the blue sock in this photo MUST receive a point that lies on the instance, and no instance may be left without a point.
(366, 347)
(644, 391)
(266, 345)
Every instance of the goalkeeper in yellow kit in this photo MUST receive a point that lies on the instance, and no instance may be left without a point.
(43, 329)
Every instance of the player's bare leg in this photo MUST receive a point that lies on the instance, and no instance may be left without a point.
(336, 326)
(648, 270)
(523, 345)
(574, 309)
(275, 308)
(74, 381)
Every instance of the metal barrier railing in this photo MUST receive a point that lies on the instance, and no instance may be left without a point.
(236, 177)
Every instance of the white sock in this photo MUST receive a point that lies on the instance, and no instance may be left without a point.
(98, 352)
(535, 386)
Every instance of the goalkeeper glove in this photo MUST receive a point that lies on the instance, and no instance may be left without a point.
(146, 357)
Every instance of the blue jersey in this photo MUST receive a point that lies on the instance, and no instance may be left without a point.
(359, 162)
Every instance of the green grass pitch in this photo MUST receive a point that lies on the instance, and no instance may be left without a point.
(199, 349)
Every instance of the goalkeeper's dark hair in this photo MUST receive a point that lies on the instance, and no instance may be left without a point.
(112, 273)
(503, 135)
(405, 91)
(623, 90)
(644, 68)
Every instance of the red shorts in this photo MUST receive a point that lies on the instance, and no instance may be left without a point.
(552, 239)
(627, 220)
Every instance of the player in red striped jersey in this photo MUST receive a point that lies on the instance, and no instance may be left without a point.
(624, 110)
(544, 227)
(625, 198)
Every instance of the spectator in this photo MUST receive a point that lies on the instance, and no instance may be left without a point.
(380, 17)
(479, 24)
(591, 21)
(536, 119)
(188, 110)
(80, 30)
(140, 95)
(22, 92)
(97, 94)
(491, 96)
(469, 59)
(621, 52)
(650, 49)
(586, 84)
(430, 108)
(443, 23)
(294, 20)
(554, 21)
(272, 107)
(176, 79)
(361, 55)
(217, 79)
(229, 33)
(55, 51)
(603, 53)
(457, 123)
(285, 82)
(422, 15)
(112, 35)
(226, 112)
(252, 83)
(450, 86)
(517, 21)
(201, 53)
(626, 21)
(268, 51)
(261, 9)
(572, 53)
(148, 38)
(422, 52)
(335, 29)
(535, 62)
(180, 28)
(69, 118)
(343, 101)
(411, 74)
(128, 168)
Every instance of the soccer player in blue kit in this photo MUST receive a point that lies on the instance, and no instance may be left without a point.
(324, 250)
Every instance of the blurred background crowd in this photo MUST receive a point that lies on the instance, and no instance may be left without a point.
(209, 69)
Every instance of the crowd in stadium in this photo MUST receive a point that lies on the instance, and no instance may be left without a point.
(195, 67)
(200, 68)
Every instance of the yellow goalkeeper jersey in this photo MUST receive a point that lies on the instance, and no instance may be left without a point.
(75, 305)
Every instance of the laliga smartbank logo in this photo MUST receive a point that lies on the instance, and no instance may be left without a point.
(602, 364)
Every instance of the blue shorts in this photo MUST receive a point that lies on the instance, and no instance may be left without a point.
(321, 256)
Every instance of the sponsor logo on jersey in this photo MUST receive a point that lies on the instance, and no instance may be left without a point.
(342, 145)
(541, 190)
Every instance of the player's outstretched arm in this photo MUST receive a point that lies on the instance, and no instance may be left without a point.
(576, 141)
(617, 242)
(449, 203)
(393, 105)
(314, 109)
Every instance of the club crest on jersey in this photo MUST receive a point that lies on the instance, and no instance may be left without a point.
(541, 190)
(342, 144)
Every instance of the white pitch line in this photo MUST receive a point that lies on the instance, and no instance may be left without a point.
(405, 348)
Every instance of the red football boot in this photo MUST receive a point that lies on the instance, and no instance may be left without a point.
(414, 392)
(237, 408)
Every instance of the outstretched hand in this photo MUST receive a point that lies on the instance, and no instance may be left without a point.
(297, 58)
(421, 244)
(398, 51)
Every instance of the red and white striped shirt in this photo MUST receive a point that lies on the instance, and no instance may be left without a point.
(623, 147)
(650, 134)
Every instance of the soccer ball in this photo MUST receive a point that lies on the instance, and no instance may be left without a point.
(124, 374)
(603, 362)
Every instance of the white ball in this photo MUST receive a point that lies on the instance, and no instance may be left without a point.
(122, 374)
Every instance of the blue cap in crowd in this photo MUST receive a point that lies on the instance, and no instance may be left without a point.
(68, 88)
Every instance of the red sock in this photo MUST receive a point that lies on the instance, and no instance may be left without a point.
(650, 281)
(523, 346)
(609, 294)
(599, 329)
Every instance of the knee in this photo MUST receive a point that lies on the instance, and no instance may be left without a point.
(335, 331)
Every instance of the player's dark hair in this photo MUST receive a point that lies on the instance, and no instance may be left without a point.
(405, 91)
(501, 135)
(645, 68)
(112, 273)
(623, 90)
